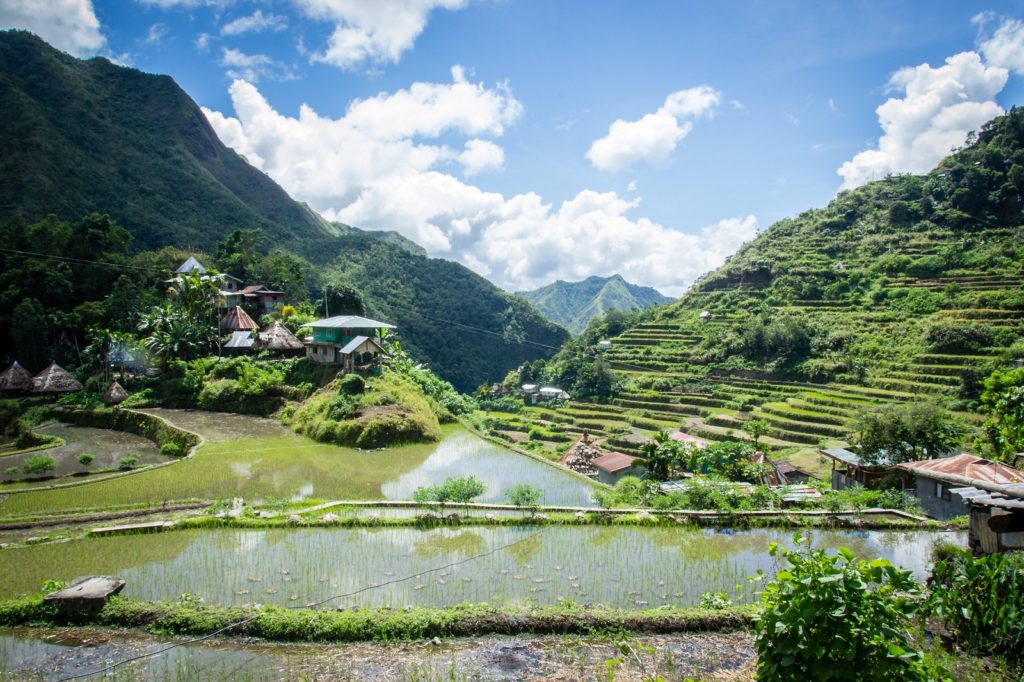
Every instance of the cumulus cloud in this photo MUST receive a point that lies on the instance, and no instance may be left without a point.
(936, 107)
(253, 67)
(655, 136)
(481, 155)
(381, 166)
(257, 22)
(371, 31)
(1005, 47)
(70, 25)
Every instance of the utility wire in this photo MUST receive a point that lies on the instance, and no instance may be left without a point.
(203, 638)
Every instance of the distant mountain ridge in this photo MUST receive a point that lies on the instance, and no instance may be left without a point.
(83, 136)
(574, 304)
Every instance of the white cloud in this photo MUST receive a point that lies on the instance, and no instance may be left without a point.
(832, 106)
(380, 166)
(933, 113)
(631, 187)
(371, 31)
(174, 4)
(70, 25)
(655, 136)
(257, 22)
(481, 155)
(1005, 47)
(253, 67)
(203, 42)
(157, 32)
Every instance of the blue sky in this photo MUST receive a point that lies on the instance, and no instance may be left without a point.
(539, 140)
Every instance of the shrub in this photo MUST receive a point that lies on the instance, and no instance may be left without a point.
(524, 496)
(39, 465)
(11, 471)
(981, 601)
(86, 458)
(352, 384)
(956, 337)
(716, 601)
(171, 449)
(834, 618)
(128, 463)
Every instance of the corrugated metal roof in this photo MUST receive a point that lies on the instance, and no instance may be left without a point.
(614, 461)
(355, 343)
(240, 340)
(843, 455)
(687, 438)
(966, 466)
(349, 322)
(190, 265)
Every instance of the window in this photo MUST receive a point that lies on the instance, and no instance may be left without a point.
(942, 492)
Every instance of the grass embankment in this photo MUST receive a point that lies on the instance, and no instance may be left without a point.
(380, 411)
(381, 624)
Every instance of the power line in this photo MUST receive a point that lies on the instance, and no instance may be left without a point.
(203, 638)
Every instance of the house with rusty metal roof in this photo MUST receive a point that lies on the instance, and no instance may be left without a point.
(615, 465)
(946, 485)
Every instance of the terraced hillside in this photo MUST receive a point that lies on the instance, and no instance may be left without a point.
(905, 288)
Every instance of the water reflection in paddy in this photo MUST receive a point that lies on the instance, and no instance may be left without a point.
(625, 567)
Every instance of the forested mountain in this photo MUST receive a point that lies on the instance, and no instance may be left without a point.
(909, 288)
(574, 304)
(89, 137)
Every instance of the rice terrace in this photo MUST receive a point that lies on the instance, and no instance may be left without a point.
(451, 341)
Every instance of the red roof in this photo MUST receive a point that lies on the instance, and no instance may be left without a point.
(967, 466)
(613, 462)
(687, 438)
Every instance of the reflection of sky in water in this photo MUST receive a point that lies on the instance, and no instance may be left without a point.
(463, 454)
(625, 567)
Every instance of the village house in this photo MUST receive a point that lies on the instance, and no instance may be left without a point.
(848, 469)
(256, 298)
(945, 485)
(353, 342)
(615, 465)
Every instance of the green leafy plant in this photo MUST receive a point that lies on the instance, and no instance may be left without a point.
(86, 458)
(835, 618)
(39, 465)
(458, 490)
(128, 463)
(525, 496)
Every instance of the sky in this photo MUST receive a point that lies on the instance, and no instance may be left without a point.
(535, 140)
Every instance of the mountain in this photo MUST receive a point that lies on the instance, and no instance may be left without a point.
(574, 304)
(85, 136)
(906, 288)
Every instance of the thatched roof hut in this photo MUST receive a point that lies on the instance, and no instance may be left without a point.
(276, 337)
(15, 379)
(237, 320)
(55, 379)
(115, 394)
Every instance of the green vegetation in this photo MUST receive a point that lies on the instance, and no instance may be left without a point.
(452, 490)
(981, 601)
(574, 304)
(1003, 401)
(86, 458)
(525, 496)
(835, 618)
(905, 433)
(386, 625)
(389, 409)
(39, 465)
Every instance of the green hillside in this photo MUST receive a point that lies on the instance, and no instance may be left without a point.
(574, 304)
(906, 288)
(82, 137)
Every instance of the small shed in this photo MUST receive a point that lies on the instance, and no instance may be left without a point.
(849, 470)
(615, 465)
(192, 263)
(115, 394)
(360, 354)
(996, 520)
(943, 485)
(55, 379)
(791, 473)
(15, 379)
(553, 393)
(237, 320)
(689, 439)
(604, 344)
(279, 339)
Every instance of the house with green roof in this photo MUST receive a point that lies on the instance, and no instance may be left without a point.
(353, 342)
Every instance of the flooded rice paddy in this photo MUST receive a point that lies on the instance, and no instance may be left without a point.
(107, 447)
(290, 466)
(628, 567)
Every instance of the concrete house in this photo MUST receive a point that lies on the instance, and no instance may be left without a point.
(353, 342)
(945, 485)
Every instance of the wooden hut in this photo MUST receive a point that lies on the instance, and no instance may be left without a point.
(115, 394)
(15, 379)
(237, 320)
(277, 338)
(55, 379)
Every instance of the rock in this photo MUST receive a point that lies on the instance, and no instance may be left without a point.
(87, 594)
(490, 517)
(265, 515)
(644, 516)
(542, 517)
(436, 641)
(373, 517)
(581, 516)
(330, 518)
(295, 518)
